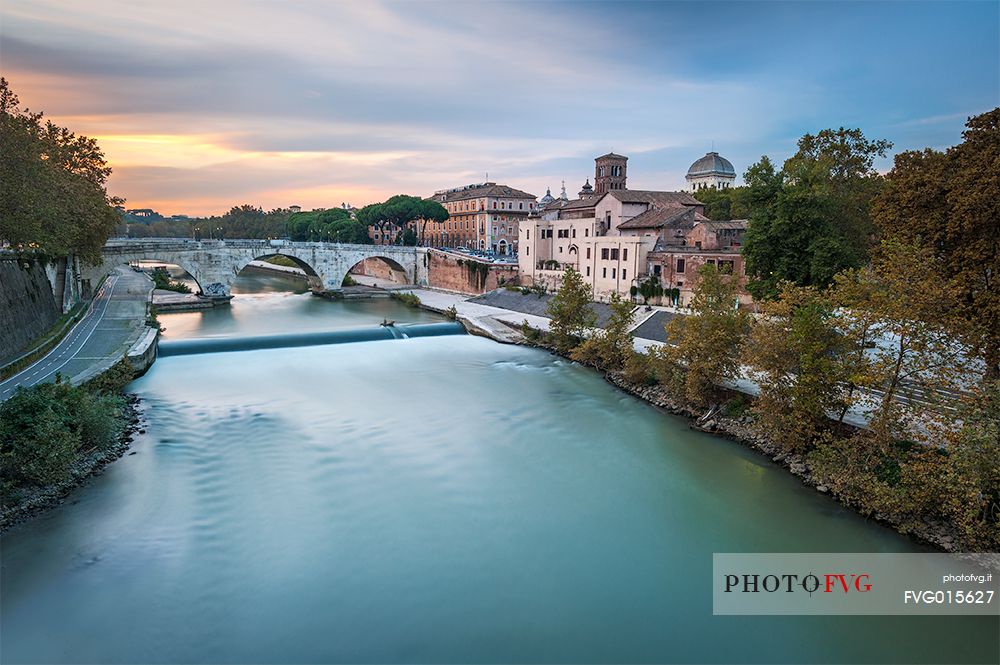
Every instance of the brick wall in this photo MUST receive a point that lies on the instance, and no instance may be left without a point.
(455, 273)
(373, 268)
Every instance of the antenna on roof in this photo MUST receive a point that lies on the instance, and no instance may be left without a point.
(713, 145)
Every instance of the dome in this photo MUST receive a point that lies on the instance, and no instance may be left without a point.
(548, 198)
(712, 164)
(587, 186)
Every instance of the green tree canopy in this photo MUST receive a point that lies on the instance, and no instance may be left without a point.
(722, 205)
(402, 211)
(812, 219)
(54, 193)
(331, 225)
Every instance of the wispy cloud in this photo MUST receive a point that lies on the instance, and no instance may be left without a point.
(200, 105)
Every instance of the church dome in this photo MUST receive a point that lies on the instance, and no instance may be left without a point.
(712, 164)
(547, 199)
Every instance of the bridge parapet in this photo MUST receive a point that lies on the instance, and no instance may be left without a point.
(214, 264)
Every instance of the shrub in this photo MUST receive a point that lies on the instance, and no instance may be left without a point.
(638, 370)
(409, 299)
(37, 441)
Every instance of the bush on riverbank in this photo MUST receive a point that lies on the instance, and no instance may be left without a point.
(409, 299)
(161, 280)
(48, 429)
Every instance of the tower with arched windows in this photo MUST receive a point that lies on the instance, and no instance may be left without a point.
(609, 173)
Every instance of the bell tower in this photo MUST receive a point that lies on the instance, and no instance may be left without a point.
(609, 172)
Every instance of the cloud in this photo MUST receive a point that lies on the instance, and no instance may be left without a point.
(203, 104)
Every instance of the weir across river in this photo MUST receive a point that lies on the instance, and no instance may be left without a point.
(184, 347)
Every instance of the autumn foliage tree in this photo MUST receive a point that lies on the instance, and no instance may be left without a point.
(610, 347)
(54, 194)
(569, 311)
(798, 357)
(947, 204)
(705, 345)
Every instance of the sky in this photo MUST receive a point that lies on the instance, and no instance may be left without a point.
(203, 105)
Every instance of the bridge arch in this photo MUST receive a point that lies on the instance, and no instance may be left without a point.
(164, 260)
(380, 267)
(313, 278)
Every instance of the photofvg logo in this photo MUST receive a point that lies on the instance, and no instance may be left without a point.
(834, 583)
(791, 583)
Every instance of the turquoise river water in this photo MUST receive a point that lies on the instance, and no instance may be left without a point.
(441, 499)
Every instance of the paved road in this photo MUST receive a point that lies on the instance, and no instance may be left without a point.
(112, 323)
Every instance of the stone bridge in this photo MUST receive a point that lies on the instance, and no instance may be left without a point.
(214, 264)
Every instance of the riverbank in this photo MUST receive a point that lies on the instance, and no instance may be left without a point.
(503, 328)
(36, 501)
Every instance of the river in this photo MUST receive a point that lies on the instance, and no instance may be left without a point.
(443, 499)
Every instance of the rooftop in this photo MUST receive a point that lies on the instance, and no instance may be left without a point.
(486, 189)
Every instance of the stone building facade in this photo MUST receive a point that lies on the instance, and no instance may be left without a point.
(484, 216)
(617, 238)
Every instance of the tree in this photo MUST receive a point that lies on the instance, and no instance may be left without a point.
(974, 469)
(330, 225)
(610, 347)
(722, 205)
(913, 362)
(946, 203)
(706, 344)
(54, 193)
(801, 364)
(811, 220)
(570, 312)
(400, 212)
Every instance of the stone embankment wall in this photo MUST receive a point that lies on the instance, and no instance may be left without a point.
(28, 307)
(466, 275)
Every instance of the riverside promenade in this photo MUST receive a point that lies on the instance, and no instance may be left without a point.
(113, 327)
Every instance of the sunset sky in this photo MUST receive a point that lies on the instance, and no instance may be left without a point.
(205, 104)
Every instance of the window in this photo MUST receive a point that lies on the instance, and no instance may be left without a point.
(586, 233)
(614, 254)
(574, 233)
(520, 206)
(560, 249)
(604, 272)
(680, 265)
(527, 234)
(726, 267)
(613, 273)
(588, 253)
(588, 271)
(527, 251)
(604, 254)
(710, 262)
(625, 254)
(623, 274)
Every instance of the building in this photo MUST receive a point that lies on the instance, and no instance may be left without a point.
(617, 238)
(712, 170)
(484, 216)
